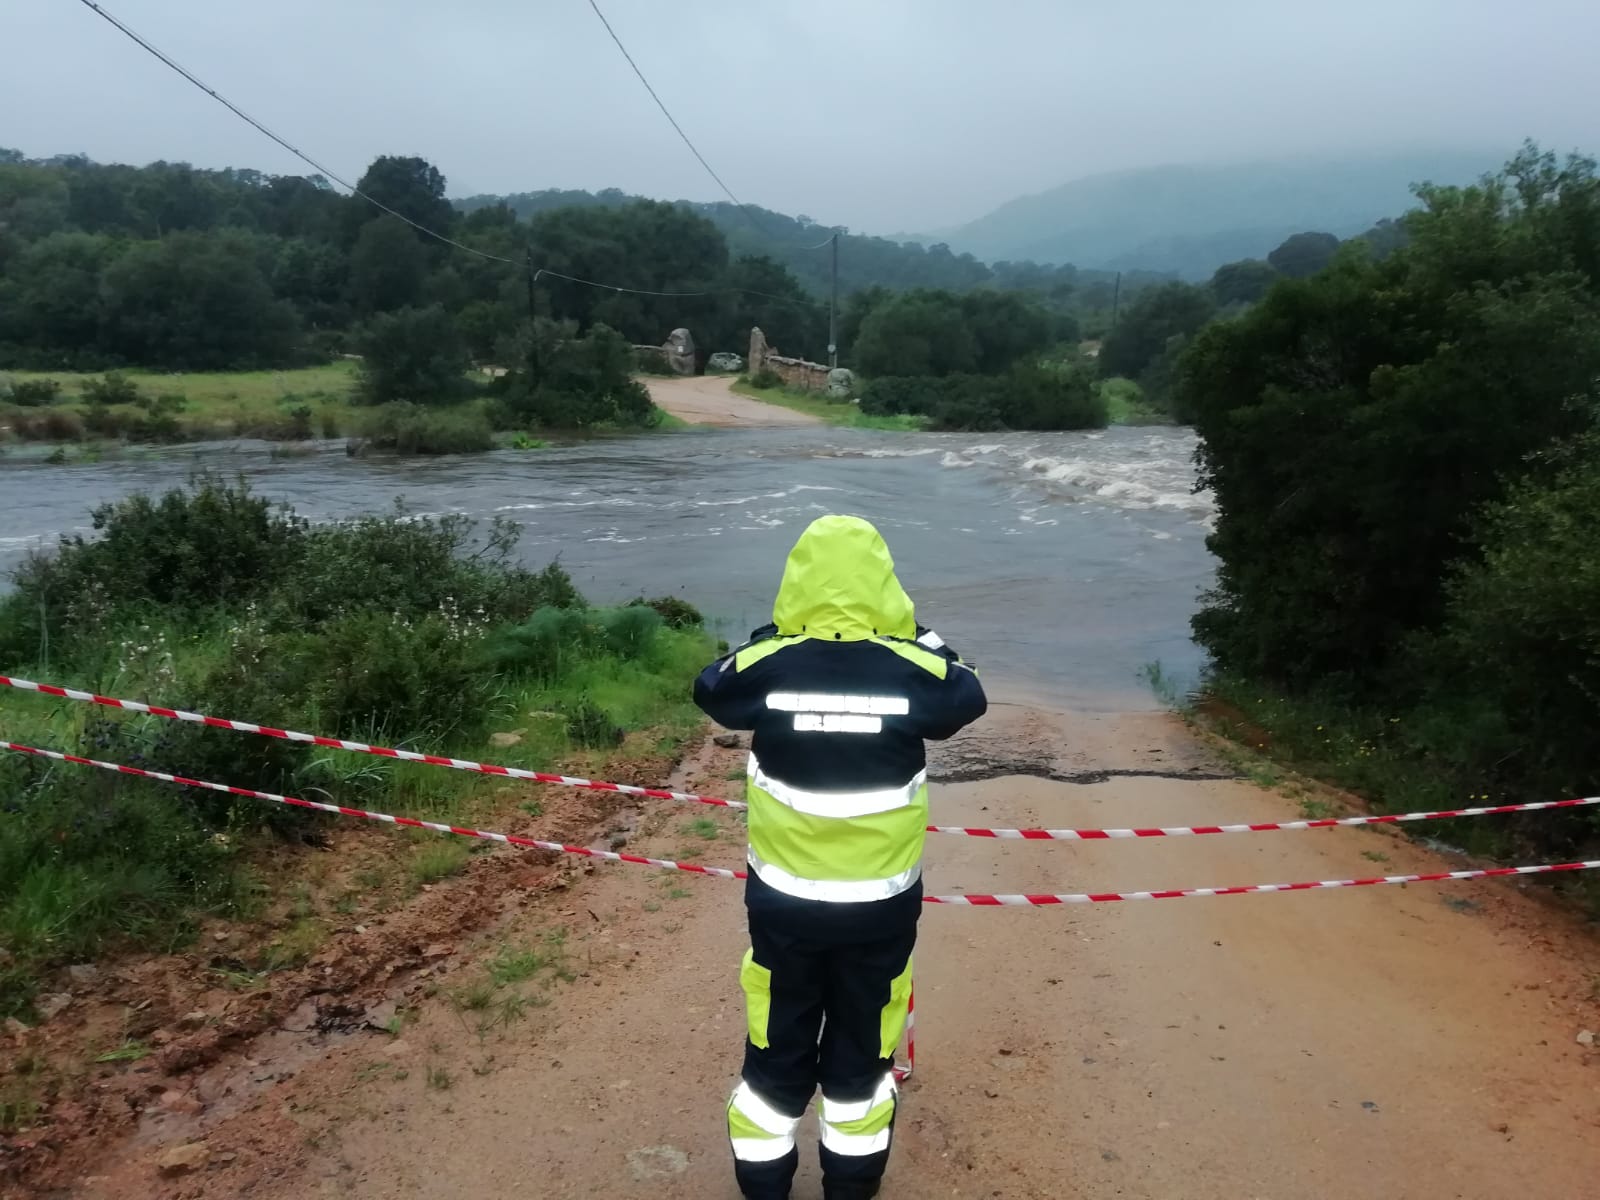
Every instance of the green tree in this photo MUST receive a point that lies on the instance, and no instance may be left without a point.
(851, 316)
(414, 354)
(195, 301)
(1243, 282)
(1304, 254)
(412, 187)
(1515, 669)
(1008, 327)
(1353, 423)
(647, 246)
(50, 301)
(388, 266)
(916, 333)
(1156, 316)
(567, 380)
(762, 293)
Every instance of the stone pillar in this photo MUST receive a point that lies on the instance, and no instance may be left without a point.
(758, 351)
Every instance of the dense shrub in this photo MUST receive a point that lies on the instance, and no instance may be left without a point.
(1155, 317)
(548, 642)
(407, 428)
(567, 381)
(415, 355)
(190, 549)
(44, 424)
(676, 612)
(1024, 397)
(1354, 422)
(766, 378)
(1514, 670)
(1408, 486)
(400, 630)
(33, 393)
(111, 389)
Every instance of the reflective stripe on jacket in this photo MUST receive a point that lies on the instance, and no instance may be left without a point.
(840, 694)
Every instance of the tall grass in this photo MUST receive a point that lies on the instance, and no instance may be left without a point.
(398, 630)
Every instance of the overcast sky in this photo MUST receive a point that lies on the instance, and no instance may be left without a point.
(885, 115)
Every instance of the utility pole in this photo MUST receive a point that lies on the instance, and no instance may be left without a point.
(833, 307)
(533, 319)
(1116, 300)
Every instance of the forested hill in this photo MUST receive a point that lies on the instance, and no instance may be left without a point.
(1192, 219)
(864, 261)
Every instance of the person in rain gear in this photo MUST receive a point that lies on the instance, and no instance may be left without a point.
(841, 690)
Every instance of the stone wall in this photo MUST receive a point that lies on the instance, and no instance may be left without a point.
(795, 372)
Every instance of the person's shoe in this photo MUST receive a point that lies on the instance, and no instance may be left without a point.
(849, 1189)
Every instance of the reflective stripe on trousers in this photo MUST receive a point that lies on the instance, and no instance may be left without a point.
(860, 1127)
(759, 1132)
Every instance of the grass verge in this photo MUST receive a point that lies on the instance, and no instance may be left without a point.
(1383, 759)
(396, 630)
(276, 405)
(1126, 404)
(842, 413)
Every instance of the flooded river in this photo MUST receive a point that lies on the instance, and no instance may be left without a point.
(1059, 563)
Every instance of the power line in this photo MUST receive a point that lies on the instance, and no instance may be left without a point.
(613, 288)
(354, 190)
(300, 154)
(667, 113)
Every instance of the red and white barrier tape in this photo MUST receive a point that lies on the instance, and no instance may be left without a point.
(1046, 900)
(978, 901)
(1029, 835)
(343, 811)
(460, 764)
(1096, 835)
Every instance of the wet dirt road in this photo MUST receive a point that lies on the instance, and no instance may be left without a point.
(1383, 1042)
(709, 400)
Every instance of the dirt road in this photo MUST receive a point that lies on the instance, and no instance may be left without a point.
(709, 400)
(1386, 1042)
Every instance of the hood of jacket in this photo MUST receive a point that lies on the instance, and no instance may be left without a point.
(839, 585)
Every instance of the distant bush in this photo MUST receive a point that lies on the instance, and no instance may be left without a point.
(766, 378)
(1025, 397)
(33, 393)
(407, 428)
(111, 389)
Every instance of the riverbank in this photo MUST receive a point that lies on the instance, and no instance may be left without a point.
(406, 629)
(1391, 762)
(82, 418)
(287, 405)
